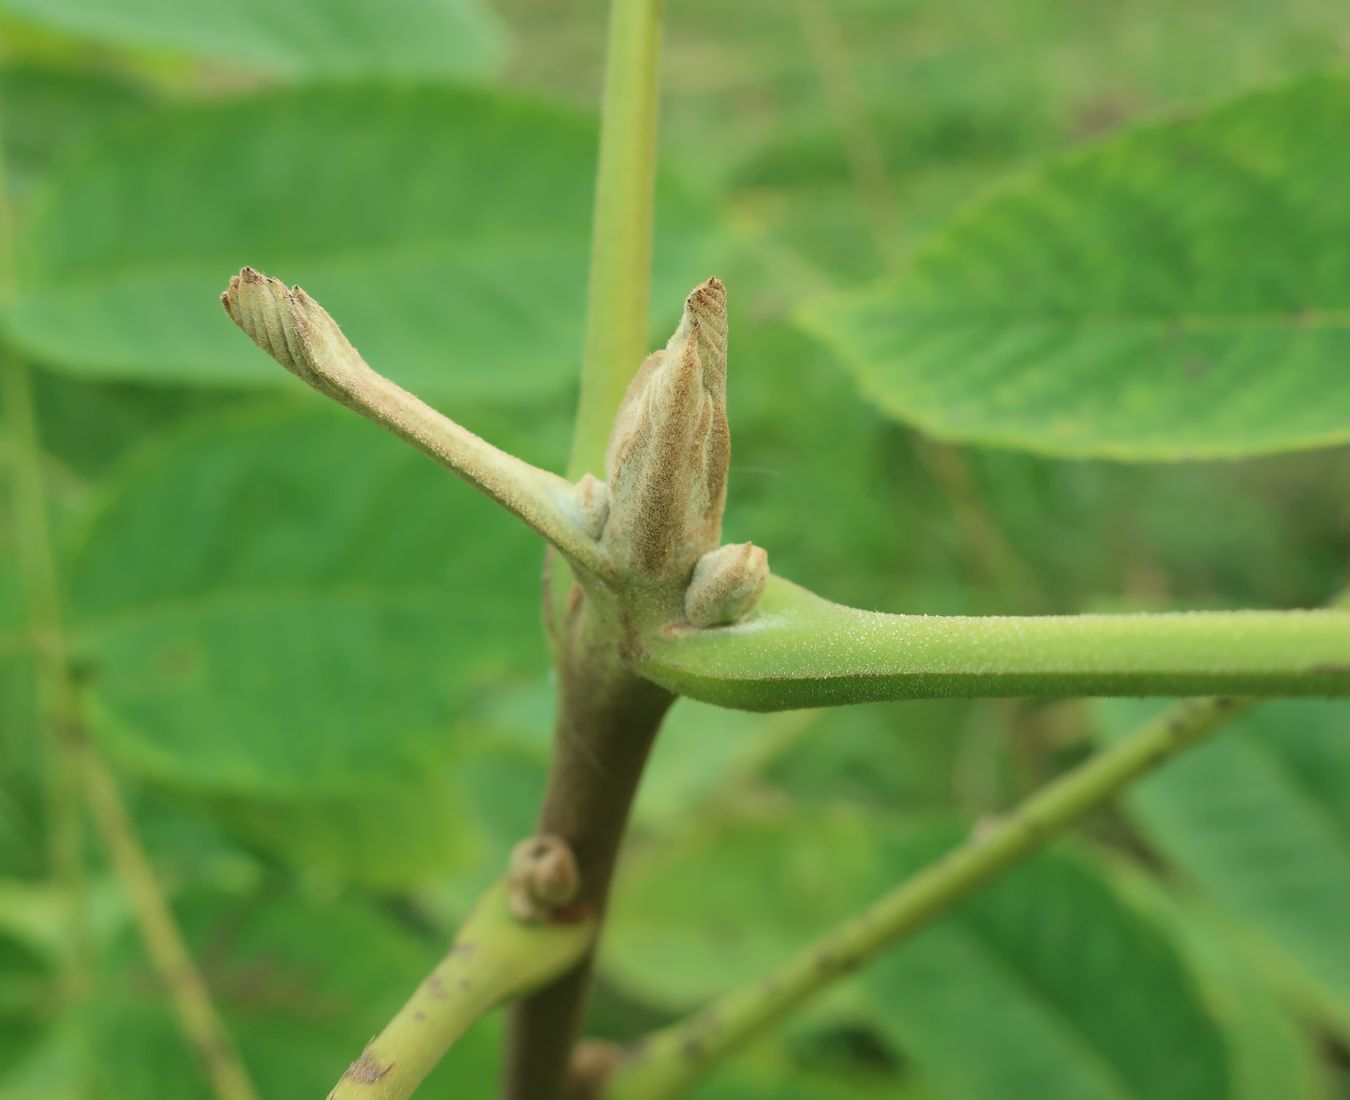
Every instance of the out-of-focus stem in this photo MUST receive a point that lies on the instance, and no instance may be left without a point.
(173, 963)
(619, 290)
(72, 764)
(36, 563)
(667, 1064)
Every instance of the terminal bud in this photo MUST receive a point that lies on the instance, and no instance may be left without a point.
(668, 453)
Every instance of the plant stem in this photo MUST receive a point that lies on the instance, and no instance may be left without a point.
(299, 333)
(607, 716)
(607, 720)
(36, 566)
(799, 650)
(668, 1063)
(619, 291)
(71, 762)
(35, 563)
(494, 957)
(182, 980)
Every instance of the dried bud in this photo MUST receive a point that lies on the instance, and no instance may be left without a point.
(668, 453)
(543, 878)
(727, 584)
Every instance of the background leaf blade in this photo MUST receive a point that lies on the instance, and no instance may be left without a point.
(1162, 295)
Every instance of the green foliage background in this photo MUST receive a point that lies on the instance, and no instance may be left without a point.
(315, 660)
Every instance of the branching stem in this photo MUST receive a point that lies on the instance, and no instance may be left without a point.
(607, 720)
(173, 962)
(72, 764)
(799, 650)
(668, 1063)
(494, 957)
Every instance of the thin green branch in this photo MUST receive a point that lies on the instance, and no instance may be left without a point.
(495, 957)
(619, 291)
(862, 150)
(668, 1063)
(36, 567)
(173, 962)
(300, 335)
(798, 650)
(72, 765)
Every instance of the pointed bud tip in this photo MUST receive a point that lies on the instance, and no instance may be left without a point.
(709, 295)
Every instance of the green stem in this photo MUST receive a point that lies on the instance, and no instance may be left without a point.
(669, 1062)
(183, 982)
(495, 957)
(619, 292)
(72, 764)
(36, 566)
(799, 650)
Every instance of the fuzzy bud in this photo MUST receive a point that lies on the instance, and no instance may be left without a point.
(668, 453)
(727, 584)
(592, 504)
(542, 879)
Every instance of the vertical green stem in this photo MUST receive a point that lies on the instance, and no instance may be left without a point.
(71, 763)
(183, 982)
(619, 292)
(43, 611)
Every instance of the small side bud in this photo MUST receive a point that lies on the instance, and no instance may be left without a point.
(668, 453)
(592, 501)
(593, 1063)
(727, 584)
(542, 879)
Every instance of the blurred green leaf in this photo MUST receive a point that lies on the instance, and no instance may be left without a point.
(705, 753)
(302, 987)
(28, 999)
(391, 837)
(771, 1074)
(1167, 294)
(765, 884)
(45, 111)
(1270, 1052)
(302, 38)
(1258, 821)
(289, 602)
(446, 230)
(1047, 985)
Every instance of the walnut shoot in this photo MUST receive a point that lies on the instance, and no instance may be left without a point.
(660, 514)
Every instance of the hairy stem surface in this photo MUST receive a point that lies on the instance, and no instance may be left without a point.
(798, 650)
(607, 720)
(494, 957)
(607, 717)
(669, 1062)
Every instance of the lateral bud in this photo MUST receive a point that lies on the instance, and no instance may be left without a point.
(727, 584)
(542, 878)
(592, 502)
(668, 452)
